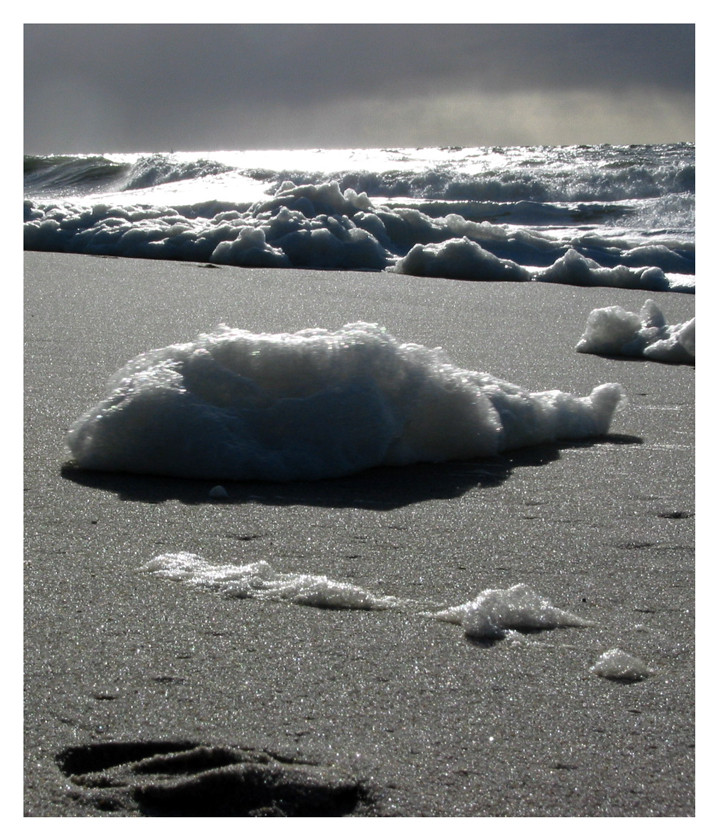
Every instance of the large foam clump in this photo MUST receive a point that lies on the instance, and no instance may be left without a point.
(236, 405)
(613, 330)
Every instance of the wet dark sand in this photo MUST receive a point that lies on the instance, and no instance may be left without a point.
(279, 708)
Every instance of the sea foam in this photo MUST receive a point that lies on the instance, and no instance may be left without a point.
(601, 215)
(261, 581)
(318, 226)
(236, 405)
(493, 614)
(613, 330)
(616, 664)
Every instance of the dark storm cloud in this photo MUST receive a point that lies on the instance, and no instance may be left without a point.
(153, 86)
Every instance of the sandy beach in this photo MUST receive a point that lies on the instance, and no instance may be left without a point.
(146, 697)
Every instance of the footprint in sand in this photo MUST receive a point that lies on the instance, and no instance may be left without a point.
(187, 779)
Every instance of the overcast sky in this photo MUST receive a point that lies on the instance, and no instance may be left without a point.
(118, 87)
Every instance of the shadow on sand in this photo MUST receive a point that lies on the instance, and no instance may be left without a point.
(380, 488)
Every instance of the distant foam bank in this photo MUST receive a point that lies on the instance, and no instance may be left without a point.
(314, 404)
(621, 216)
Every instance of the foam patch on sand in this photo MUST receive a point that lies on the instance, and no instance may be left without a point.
(615, 331)
(491, 615)
(236, 405)
(261, 581)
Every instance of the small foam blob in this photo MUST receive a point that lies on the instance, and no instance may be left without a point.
(236, 405)
(495, 612)
(614, 331)
(616, 664)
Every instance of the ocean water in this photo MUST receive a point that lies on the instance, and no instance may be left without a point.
(619, 216)
(315, 404)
